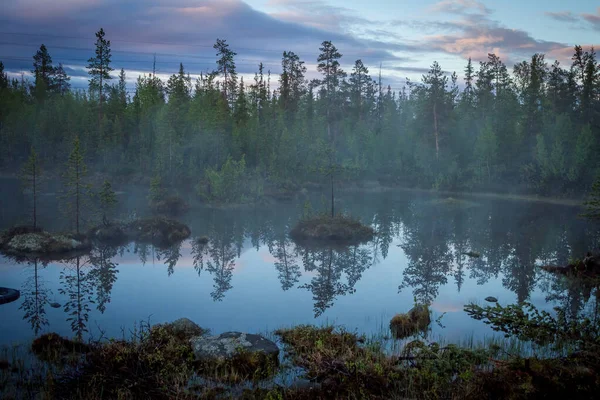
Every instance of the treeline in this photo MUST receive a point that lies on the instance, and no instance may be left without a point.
(534, 130)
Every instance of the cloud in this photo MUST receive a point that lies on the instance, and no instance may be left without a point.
(460, 7)
(562, 16)
(179, 30)
(593, 19)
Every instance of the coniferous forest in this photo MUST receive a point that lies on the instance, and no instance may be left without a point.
(533, 129)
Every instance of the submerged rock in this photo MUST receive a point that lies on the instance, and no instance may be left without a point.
(472, 254)
(8, 295)
(491, 299)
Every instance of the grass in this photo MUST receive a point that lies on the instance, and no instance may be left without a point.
(341, 229)
(334, 363)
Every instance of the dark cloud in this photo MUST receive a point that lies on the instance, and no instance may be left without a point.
(562, 16)
(177, 31)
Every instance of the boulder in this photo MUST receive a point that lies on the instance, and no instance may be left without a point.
(185, 328)
(235, 356)
(227, 345)
(491, 299)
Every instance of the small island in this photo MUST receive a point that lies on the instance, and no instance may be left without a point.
(325, 229)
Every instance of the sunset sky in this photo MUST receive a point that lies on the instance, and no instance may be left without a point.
(405, 36)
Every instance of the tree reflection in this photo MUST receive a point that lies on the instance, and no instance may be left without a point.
(331, 266)
(170, 255)
(426, 245)
(79, 289)
(35, 298)
(103, 274)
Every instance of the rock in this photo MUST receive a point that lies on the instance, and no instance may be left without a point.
(472, 254)
(8, 295)
(20, 242)
(202, 240)
(491, 299)
(227, 345)
(235, 356)
(185, 328)
(55, 305)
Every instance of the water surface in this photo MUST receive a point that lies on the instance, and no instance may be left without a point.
(252, 277)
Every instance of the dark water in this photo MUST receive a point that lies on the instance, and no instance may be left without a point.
(252, 277)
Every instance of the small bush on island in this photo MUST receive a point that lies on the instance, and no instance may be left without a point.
(339, 229)
(161, 202)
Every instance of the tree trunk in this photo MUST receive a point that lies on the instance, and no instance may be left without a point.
(435, 127)
(34, 198)
(77, 199)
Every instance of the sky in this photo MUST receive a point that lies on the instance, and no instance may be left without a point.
(403, 37)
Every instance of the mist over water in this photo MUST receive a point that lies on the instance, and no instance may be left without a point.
(251, 277)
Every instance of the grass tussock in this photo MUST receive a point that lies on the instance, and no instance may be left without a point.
(405, 325)
(340, 229)
(157, 364)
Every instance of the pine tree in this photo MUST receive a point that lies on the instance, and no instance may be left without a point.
(592, 205)
(3, 77)
(108, 200)
(43, 72)
(77, 191)
(100, 69)
(30, 175)
(61, 81)
(226, 68)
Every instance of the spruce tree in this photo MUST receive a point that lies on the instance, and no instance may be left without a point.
(77, 190)
(108, 200)
(99, 69)
(226, 68)
(61, 81)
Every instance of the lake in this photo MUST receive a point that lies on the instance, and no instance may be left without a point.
(252, 277)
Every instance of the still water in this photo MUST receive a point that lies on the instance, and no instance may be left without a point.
(252, 277)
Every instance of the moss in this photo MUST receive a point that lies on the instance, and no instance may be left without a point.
(54, 348)
(28, 241)
(326, 229)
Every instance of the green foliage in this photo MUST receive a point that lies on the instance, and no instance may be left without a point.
(157, 191)
(229, 184)
(592, 205)
(77, 192)
(535, 129)
(30, 175)
(527, 323)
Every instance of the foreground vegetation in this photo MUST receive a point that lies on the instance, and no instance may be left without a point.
(158, 362)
